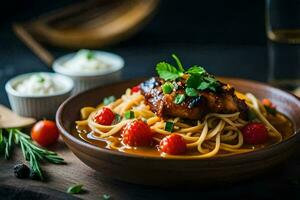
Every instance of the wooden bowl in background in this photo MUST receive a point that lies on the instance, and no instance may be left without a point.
(169, 172)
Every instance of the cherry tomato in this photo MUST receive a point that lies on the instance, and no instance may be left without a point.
(137, 133)
(173, 144)
(136, 88)
(105, 116)
(45, 133)
(255, 133)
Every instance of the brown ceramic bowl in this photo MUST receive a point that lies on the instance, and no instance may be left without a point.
(170, 172)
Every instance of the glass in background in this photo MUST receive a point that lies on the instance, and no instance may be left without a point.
(283, 31)
(283, 20)
(284, 66)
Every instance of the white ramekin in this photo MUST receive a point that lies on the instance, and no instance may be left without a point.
(84, 80)
(37, 106)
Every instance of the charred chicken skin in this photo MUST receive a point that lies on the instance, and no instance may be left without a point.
(222, 101)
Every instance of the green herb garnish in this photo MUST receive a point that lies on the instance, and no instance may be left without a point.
(169, 126)
(108, 100)
(197, 77)
(178, 63)
(31, 152)
(40, 78)
(196, 70)
(90, 55)
(167, 87)
(129, 114)
(191, 92)
(75, 189)
(167, 71)
(179, 98)
(106, 197)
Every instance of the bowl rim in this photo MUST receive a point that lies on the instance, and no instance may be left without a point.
(9, 86)
(72, 138)
(57, 65)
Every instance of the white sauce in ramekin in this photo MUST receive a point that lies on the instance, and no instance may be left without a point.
(86, 61)
(39, 84)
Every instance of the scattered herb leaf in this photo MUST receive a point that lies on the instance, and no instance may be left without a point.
(169, 126)
(75, 189)
(106, 197)
(179, 98)
(191, 92)
(108, 100)
(129, 114)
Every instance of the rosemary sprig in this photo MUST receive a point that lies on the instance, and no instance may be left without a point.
(30, 151)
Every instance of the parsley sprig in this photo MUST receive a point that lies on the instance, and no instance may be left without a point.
(197, 78)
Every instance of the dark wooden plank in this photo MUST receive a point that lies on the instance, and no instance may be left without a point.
(32, 193)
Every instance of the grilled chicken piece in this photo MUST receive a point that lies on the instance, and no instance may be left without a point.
(222, 101)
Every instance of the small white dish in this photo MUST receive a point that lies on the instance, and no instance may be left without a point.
(84, 80)
(38, 105)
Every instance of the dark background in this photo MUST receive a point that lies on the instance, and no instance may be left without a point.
(177, 21)
(225, 36)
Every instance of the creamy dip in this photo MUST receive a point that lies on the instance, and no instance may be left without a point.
(39, 84)
(86, 61)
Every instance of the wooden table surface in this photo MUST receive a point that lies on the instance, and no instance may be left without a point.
(281, 181)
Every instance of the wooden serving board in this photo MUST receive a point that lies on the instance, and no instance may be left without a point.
(60, 177)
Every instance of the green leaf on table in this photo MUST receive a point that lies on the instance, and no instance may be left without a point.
(75, 189)
(106, 197)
